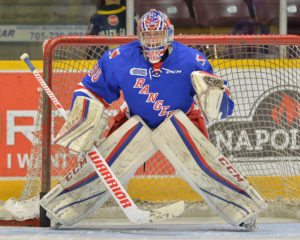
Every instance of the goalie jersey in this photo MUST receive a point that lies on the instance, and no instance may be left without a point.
(151, 93)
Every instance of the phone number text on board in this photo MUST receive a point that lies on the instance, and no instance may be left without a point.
(41, 36)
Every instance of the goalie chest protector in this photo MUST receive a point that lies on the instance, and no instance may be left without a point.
(153, 94)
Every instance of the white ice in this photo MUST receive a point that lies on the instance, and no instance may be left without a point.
(184, 228)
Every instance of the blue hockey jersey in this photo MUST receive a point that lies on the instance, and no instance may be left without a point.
(152, 94)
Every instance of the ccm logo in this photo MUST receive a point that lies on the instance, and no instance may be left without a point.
(112, 183)
(231, 169)
(75, 170)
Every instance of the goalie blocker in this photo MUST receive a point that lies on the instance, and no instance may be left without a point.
(208, 172)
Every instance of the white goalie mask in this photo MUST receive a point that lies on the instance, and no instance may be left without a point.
(155, 33)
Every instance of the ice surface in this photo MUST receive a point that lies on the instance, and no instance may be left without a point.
(175, 229)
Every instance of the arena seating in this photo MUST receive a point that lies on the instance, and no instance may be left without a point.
(217, 13)
(293, 12)
(177, 11)
(267, 11)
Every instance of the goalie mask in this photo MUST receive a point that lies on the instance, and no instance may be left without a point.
(155, 33)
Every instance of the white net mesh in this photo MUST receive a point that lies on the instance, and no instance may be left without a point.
(261, 138)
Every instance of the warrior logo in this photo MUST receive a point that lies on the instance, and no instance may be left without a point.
(169, 71)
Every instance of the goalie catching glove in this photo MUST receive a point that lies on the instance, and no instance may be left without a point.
(211, 95)
(84, 127)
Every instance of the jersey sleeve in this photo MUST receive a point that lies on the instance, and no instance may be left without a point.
(100, 83)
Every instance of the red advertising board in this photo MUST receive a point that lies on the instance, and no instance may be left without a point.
(18, 107)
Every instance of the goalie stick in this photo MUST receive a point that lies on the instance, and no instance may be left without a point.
(132, 212)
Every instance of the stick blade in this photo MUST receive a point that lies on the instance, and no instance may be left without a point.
(167, 212)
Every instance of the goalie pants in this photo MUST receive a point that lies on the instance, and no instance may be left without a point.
(194, 115)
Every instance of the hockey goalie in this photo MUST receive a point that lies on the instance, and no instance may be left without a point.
(170, 93)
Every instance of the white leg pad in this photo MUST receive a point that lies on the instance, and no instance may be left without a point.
(81, 191)
(207, 171)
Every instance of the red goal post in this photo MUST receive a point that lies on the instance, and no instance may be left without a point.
(261, 138)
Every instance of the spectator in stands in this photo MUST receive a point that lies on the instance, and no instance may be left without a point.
(110, 18)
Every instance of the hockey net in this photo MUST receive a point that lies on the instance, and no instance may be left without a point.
(261, 138)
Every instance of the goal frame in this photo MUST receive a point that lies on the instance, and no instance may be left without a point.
(50, 45)
(120, 40)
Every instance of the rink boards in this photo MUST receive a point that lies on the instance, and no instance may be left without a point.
(12, 171)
